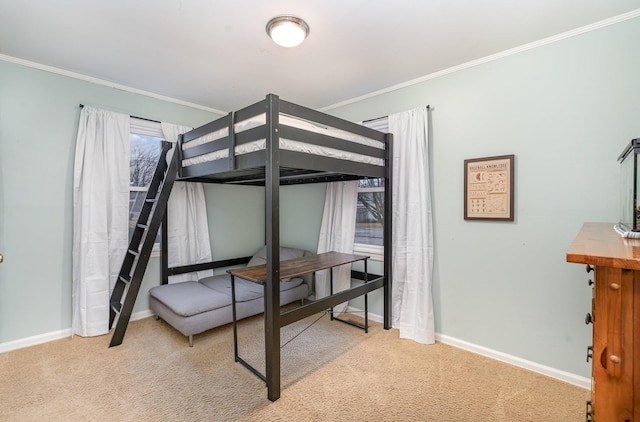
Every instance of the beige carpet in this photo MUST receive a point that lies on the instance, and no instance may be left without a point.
(331, 372)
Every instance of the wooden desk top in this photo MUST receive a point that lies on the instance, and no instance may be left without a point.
(599, 244)
(298, 266)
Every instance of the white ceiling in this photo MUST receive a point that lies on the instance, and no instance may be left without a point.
(217, 54)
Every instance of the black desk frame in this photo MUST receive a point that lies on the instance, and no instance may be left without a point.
(258, 275)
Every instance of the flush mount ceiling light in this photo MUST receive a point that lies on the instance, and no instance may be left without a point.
(287, 30)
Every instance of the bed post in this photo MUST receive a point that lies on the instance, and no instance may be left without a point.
(164, 232)
(164, 251)
(272, 228)
(388, 230)
(178, 150)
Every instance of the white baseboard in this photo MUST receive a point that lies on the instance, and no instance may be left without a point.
(34, 340)
(558, 374)
(54, 335)
(141, 315)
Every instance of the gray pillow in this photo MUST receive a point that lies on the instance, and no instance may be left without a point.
(308, 278)
(260, 257)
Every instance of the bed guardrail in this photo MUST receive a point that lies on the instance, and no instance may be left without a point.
(308, 139)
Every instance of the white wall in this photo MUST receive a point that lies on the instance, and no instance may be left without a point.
(566, 110)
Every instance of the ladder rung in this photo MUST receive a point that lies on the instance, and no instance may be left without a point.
(116, 306)
(150, 200)
(142, 226)
(126, 278)
(132, 252)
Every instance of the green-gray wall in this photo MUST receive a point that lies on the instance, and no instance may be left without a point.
(566, 110)
(38, 125)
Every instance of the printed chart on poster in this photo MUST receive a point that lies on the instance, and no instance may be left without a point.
(488, 188)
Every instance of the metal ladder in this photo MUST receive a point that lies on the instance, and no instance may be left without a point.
(136, 259)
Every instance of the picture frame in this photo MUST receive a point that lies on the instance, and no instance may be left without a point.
(489, 188)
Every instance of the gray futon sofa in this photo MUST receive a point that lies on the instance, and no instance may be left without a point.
(193, 307)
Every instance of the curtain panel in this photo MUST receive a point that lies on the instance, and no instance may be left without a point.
(412, 303)
(187, 223)
(337, 233)
(100, 216)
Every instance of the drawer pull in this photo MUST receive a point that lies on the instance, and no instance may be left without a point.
(614, 286)
(588, 319)
(615, 359)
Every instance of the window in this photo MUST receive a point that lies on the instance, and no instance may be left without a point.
(370, 209)
(146, 143)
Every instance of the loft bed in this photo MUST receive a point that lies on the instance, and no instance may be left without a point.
(272, 143)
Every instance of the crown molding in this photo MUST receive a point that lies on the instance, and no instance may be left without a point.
(545, 41)
(106, 83)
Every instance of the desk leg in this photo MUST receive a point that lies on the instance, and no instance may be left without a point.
(236, 356)
(235, 319)
(331, 288)
(366, 301)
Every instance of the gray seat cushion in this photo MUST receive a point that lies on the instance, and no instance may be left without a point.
(189, 298)
(245, 290)
(290, 284)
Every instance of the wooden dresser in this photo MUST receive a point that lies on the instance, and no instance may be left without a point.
(613, 272)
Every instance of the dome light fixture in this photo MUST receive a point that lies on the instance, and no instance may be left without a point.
(287, 30)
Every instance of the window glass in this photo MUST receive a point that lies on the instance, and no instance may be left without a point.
(146, 145)
(370, 212)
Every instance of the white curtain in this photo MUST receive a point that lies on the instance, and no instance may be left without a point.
(100, 216)
(187, 227)
(337, 233)
(412, 304)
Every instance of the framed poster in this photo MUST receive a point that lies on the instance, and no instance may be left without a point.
(489, 188)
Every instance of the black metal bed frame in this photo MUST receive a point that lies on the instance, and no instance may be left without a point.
(271, 168)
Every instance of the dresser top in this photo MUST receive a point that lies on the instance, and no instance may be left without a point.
(599, 244)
